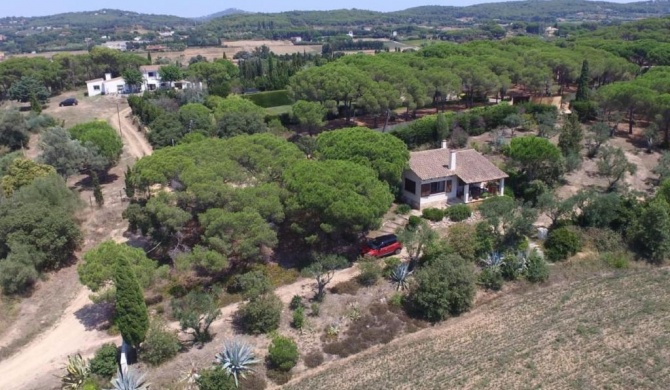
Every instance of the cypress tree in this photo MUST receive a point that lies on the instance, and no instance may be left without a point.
(149, 57)
(132, 318)
(583, 84)
(130, 188)
(97, 191)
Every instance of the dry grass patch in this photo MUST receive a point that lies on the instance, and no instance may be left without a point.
(608, 331)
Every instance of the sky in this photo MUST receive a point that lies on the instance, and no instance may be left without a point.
(193, 8)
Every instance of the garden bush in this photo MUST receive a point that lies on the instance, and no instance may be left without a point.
(414, 221)
(283, 353)
(160, 345)
(370, 272)
(537, 269)
(296, 302)
(618, 259)
(562, 243)
(491, 278)
(104, 362)
(403, 209)
(433, 214)
(458, 212)
(261, 314)
(215, 379)
(298, 318)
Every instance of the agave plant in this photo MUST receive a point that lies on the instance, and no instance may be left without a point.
(493, 259)
(236, 358)
(78, 371)
(130, 380)
(399, 276)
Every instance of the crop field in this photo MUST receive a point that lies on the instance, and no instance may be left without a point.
(606, 332)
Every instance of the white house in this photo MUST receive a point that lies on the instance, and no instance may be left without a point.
(440, 177)
(106, 86)
(152, 80)
(116, 45)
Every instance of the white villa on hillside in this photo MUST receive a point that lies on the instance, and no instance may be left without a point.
(439, 177)
(151, 81)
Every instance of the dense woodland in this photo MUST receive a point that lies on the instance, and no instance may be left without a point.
(237, 199)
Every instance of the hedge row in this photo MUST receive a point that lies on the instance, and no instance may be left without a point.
(270, 98)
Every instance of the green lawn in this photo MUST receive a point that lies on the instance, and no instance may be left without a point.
(279, 110)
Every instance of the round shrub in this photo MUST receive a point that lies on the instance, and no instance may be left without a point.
(562, 243)
(403, 209)
(537, 270)
(433, 214)
(491, 279)
(104, 362)
(458, 212)
(298, 318)
(296, 302)
(261, 314)
(215, 379)
(414, 221)
(283, 353)
(160, 344)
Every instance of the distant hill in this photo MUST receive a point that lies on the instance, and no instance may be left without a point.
(101, 19)
(229, 11)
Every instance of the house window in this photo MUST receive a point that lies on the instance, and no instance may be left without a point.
(152, 74)
(436, 187)
(449, 186)
(410, 186)
(120, 88)
(96, 87)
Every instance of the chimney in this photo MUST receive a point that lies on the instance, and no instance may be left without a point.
(452, 160)
(108, 76)
(444, 144)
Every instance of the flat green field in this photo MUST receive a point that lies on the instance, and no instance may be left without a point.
(605, 332)
(278, 110)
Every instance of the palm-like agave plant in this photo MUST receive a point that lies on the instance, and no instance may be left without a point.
(130, 380)
(399, 276)
(236, 358)
(78, 371)
(493, 259)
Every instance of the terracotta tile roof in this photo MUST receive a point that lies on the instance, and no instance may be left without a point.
(150, 68)
(431, 164)
(471, 167)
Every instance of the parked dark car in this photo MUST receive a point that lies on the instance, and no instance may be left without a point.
(69, 102)
(382, 246)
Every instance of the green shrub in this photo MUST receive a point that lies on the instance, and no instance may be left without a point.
(215, 379)
(396, 300)
(104, 362)
(414, 221)
(160, 345)
(370, 272)
(585, 110)
(261, 314)
(433, 214)
(619, 259)
(298, 318)
(537, 269)
(403, 209)
(562, 243)
(513, 266)
(390, 264)
(270, 98)
(313, 359)
(458, 212)
(296, 302)
(462, 239)
(315, 309)
(491, 278)
(283, 353)
(444, 286)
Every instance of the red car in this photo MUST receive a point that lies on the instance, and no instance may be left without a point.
(382, 246)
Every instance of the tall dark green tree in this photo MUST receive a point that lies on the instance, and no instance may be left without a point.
(132, 318)
(571, 138)
(583, 83)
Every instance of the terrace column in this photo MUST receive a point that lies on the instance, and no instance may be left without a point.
(466, 193)
(502, 187)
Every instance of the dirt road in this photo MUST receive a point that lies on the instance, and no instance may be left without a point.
(35, 364)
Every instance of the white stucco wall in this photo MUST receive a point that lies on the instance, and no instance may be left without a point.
(435, 200)
(112, 86)
(92, 91)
